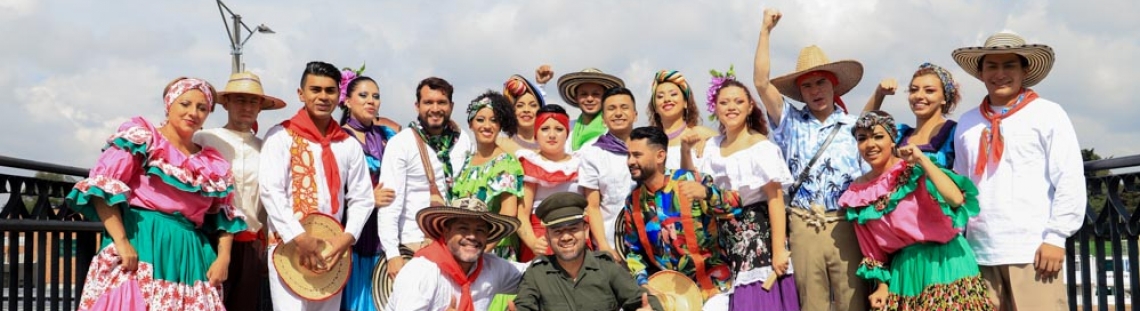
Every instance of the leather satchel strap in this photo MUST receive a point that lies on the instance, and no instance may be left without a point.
(807, 169)
(428, 170)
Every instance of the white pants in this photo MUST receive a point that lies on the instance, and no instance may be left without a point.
(285, 300)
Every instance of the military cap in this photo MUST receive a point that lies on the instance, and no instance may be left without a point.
(560, 208)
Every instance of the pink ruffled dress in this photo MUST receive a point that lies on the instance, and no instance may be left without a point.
(168, 202)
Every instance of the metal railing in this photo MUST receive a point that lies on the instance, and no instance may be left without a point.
(48, 247)
(1098, 269)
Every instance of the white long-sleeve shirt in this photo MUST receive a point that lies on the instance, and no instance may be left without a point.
(243, 151)
(402, 171)
(1035, 194)
(607, 173)
(276, 184)
(421, 286)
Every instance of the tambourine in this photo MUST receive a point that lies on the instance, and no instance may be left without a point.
(381, 284)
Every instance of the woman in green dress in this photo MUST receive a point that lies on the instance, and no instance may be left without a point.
(490, 173)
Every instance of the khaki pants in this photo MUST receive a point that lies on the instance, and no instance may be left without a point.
(1017, 287)
(826, 260)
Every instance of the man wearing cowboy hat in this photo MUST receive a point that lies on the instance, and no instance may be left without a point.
(311, 168)
(576, 278)
(243, 99)
(1022, 152)
(584, 90)
(817, 142)
(454, 272)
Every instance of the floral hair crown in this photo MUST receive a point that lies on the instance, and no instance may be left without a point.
(346, 77)
(718, 80)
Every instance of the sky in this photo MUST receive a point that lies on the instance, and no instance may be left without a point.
(72, 71)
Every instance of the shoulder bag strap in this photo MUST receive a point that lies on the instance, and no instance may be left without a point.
(807, 169)
(428, 170)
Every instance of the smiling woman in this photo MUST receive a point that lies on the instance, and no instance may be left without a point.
(157, 194)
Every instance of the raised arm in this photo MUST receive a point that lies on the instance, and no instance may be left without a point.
(769, 95)
(886, 87)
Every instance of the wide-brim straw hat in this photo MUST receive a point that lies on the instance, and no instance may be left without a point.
(568, 84)
(249, 83)
(308, 284)
(1040, 56)
(432, 219)
(676, 291)
(848, 72)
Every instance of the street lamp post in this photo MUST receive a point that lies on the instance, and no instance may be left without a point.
(236, 41)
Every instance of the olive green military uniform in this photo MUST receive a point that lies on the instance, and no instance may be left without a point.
(602, 285)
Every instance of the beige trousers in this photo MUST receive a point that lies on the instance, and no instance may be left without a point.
(826, 260)
(1017, 287)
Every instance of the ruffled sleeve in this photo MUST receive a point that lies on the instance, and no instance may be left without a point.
(506, 177)
(961, 214)
(121, 162)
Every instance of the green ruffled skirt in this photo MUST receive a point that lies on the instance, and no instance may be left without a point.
(931, 276)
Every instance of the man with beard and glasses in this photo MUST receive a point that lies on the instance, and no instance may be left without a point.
(575, 278)
(454, 272)
(669, 220)
(418, 165)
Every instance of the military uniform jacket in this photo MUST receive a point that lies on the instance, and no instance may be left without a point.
(602, 285)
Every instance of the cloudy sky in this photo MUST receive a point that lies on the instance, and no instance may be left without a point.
(73, 70)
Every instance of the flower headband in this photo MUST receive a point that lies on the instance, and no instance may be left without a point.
(186, 84)
(949, 86)
(346, 77)
(870, 119)
(718, 80)
(475, 106)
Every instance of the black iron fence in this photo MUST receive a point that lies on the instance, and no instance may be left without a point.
(47, 247)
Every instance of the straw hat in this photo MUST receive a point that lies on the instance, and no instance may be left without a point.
(432, 219)
(568, 83)
(308, 284)
(1040, 56)
(676, 291)
(381, 283)
(249, 83)
(811, 58)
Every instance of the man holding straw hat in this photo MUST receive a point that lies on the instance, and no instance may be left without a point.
(1022, 152)
(453, 272)
(822, 153)
(237, 141)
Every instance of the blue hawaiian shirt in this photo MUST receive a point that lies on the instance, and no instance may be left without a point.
(799, 135)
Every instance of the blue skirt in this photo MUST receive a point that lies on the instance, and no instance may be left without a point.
(358, 291)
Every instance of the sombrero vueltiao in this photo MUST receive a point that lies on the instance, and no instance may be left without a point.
(432, 219)
(811, 58)
(249, 83)
(309, 284)
(568, 83)
(675, 291)
(1040, 56)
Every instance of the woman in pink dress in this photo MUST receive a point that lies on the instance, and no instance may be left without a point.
(159, 196)
(908, 214)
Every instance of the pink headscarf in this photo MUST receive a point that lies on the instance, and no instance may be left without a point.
(186, 84)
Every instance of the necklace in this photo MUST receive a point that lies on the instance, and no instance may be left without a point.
(676, 133)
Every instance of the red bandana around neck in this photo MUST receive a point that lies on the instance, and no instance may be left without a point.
(991, 136)
(436, 252)
(301, 124)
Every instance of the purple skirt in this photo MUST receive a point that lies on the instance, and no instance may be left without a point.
(782, 297)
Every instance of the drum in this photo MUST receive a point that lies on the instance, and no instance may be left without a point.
(619, 234)
(381, 284)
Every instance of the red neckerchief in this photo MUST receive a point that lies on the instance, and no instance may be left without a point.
(302, 125)
(436, 252)
(991, 136)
